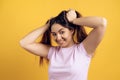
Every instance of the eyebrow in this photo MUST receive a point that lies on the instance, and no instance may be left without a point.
(58, 30)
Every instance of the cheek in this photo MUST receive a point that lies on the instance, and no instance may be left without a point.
(67, 37)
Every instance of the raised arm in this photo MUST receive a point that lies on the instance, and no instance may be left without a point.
(95, 36)
(29, 42)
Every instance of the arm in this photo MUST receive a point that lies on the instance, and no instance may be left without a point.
(95, 36)
(29, 44)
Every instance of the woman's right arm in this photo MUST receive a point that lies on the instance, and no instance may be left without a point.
(29, 42)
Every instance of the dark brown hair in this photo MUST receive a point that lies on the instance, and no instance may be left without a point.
(62, 20)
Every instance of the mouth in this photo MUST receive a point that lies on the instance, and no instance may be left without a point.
(60, 42)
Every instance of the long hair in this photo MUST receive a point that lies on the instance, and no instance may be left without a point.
(62, 20)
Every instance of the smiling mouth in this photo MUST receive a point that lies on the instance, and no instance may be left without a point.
(60, 42)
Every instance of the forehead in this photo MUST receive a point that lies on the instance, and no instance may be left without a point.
(56, 27)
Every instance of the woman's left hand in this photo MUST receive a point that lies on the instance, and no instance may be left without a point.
(71, 15)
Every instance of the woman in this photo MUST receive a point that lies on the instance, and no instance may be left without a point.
(71, 58)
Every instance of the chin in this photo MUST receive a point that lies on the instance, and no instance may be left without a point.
(63, 45)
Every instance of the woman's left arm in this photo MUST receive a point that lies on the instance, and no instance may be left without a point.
(95, 36)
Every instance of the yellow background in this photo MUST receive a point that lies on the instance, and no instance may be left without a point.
(18, 17)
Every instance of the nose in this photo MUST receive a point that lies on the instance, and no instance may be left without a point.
(58, 38)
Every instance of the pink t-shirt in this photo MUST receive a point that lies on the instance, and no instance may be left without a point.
(68, 63)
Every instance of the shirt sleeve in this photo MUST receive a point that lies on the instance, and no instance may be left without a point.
(83, 51)
(50, 53)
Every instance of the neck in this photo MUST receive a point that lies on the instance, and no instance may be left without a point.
(72, 43)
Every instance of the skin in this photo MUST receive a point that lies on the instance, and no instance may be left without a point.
(63, 36)
(90, 43)
(96, 35)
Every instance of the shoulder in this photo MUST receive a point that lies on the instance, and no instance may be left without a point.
(80, 47)
(52, 50)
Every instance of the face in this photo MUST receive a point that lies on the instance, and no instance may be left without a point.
(62, 35)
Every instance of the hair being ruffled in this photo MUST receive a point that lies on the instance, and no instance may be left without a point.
(62, 20)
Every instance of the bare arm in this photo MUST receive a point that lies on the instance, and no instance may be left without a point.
(29, 44)
(95, 36)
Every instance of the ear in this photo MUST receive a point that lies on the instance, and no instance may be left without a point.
(72, 31)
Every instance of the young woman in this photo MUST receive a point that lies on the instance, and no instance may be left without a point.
(71, 58)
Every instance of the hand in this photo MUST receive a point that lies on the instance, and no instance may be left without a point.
(71, 15)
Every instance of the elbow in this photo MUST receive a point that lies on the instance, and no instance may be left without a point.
(103, 22)
(21, 43)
